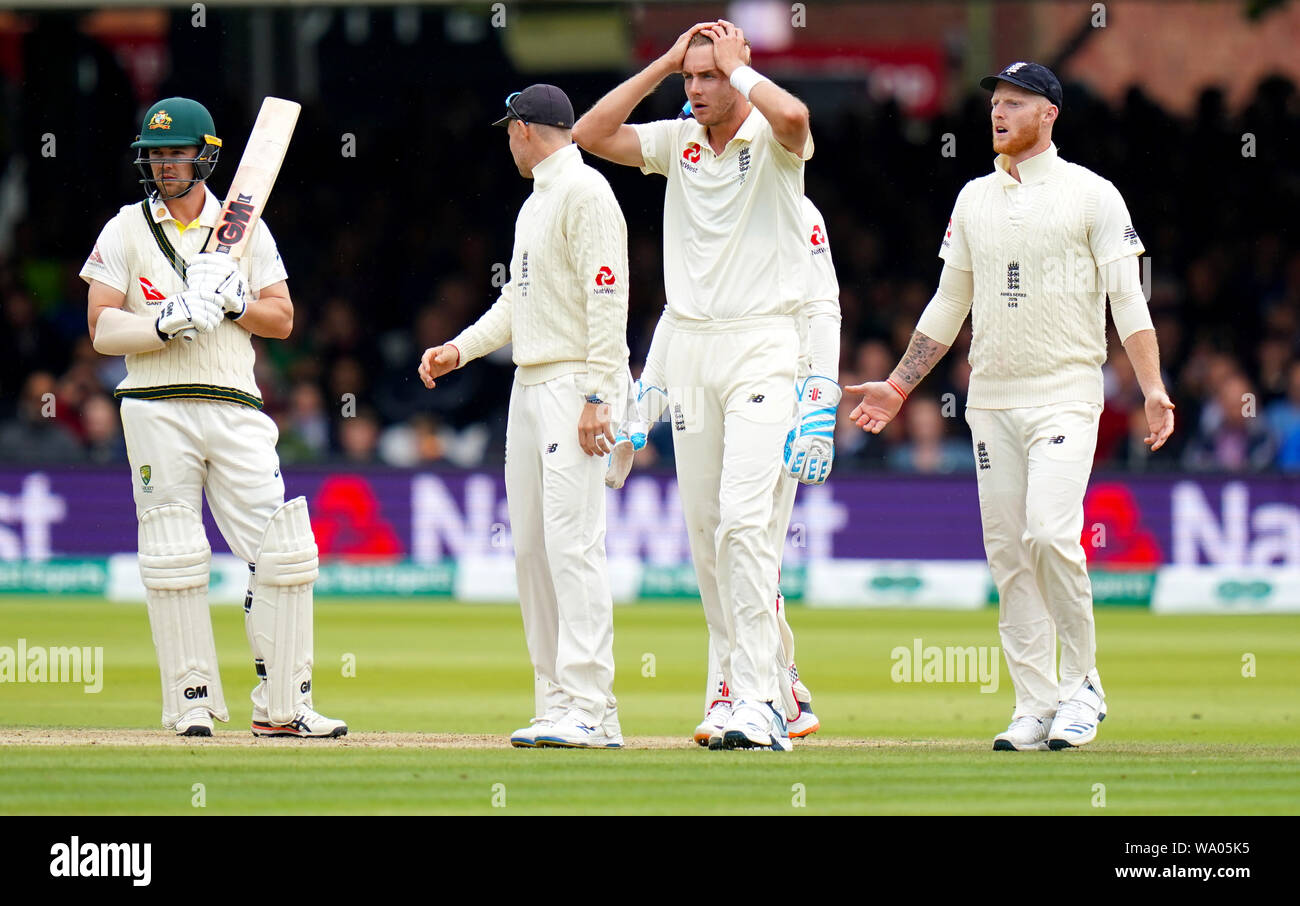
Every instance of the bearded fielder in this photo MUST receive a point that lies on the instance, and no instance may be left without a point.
(808, 455)
(1031, 252)
(735, 274)
(193, 426)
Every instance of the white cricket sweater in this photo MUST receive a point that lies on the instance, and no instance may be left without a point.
(1038, 316)
(565, 306)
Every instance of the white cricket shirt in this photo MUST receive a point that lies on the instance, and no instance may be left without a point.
(216, 365)
(733, 227)
(1038, 317)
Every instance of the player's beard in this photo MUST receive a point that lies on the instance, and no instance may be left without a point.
(1017, 141)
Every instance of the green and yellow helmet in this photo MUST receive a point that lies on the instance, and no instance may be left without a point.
(176, 123)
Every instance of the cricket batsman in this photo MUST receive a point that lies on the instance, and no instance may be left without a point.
(816, 383)
(191, 415)
(1031, 253)
(735, 274)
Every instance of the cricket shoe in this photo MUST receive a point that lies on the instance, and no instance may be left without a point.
(709, 732)
(1076, 721)
(756, 725)
(577, 730)
(806, 724)
(195, 722)
(1026, 734)
(526, 737)
(307, 724)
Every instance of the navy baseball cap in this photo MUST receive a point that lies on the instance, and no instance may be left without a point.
(544, 104)
(1033, 77)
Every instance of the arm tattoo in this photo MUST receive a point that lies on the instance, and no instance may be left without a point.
(922, 354)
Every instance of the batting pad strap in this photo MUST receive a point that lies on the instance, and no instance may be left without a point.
(174, 551)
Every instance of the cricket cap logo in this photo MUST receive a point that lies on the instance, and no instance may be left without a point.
(160, 120)
(145, 474)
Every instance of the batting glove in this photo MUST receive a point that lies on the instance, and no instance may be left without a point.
(810, 445)
(190, 310)
(219, 275)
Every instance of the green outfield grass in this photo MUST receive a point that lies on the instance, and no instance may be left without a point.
(1187, 733)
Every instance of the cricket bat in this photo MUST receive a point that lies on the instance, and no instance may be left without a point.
(253, 181)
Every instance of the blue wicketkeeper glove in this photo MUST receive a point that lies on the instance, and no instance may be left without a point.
(810, 445)
(645, 404)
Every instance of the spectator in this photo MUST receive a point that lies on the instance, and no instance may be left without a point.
(926, 449)
(35, 434)
(1231, 436)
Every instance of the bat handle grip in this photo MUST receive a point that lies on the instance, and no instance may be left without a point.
(188, 334)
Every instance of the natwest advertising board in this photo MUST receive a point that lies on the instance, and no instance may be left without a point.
(429, 516)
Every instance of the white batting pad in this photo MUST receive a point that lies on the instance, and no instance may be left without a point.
(174, 558)
(280, 620)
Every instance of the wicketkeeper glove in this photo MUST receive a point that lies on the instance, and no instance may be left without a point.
(644, 406)
(219, 275)
(810, 445)
(189, 310)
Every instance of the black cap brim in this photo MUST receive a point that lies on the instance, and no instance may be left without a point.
(501, 122)
(990, 83)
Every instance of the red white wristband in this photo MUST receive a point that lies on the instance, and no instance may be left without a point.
(900, 390)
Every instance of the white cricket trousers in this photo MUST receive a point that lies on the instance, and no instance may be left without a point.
(556, 496)
(191, 447)
(731, 394)
(1032, 466)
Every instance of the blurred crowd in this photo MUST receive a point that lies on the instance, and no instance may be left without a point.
(380, 270)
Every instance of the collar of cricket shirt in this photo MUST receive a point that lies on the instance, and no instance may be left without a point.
(1032, 170)
(207, 217)
(547, 170)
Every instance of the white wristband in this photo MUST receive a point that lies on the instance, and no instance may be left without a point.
(744, 78)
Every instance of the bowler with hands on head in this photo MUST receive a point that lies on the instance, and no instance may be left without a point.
(564, 310)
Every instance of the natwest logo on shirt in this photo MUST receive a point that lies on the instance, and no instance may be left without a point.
(692, 152)
(151, 293)
(818, 240)
(605, 278)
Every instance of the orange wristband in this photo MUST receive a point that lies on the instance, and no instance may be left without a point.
(890, 382)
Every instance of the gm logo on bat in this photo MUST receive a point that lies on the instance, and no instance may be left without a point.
(234, 222)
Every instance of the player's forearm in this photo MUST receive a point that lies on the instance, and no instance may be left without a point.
(787, 114)
(1144, 353)
(268, 316)
(612, 111)
(488, 334)
(119, 332)
(923, 353)
(606, 345)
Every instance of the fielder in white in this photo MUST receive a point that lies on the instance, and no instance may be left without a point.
(191, 414)
(735, 275)
(565, 312)
(1032, 251)
(816, 384)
